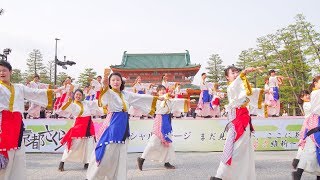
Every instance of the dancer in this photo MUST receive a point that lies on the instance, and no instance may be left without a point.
(87, 93)
(151, 89)
(204, 109)
(34, 109)
(166, 83)
(96, 86)
(57, 102)
(310, 136)
(305, 100)
(140, 89)
(109, 160)
(177, 91)
(65, 91)
(159, 147)
(238, 159)
(80, 139)
(12, 152)
(274, 82)
(269, 100)
(215, 100)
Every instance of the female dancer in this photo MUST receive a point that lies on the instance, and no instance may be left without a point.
(204, 107)
(140, 89)
(238, 159)
(166, 83)
(80, 139)
(12, 152)
(305, 100)
(109, 160)
(274, 83)
(34, 109)
(160, 147)
(310, 136)
(215, 101)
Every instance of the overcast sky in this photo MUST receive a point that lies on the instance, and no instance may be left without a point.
(92, 32)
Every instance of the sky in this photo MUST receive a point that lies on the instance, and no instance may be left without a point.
(95, 34)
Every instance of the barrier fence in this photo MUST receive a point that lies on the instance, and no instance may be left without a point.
(44, 135)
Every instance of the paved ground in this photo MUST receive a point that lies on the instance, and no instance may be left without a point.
(190, 166)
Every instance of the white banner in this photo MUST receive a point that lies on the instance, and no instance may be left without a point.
(44, 135)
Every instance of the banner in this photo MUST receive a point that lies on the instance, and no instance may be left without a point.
(44, 135)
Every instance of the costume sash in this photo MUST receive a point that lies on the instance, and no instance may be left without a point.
(56, 103)
(166, 128)
(315, 136)
(206, 96)
(12, 130)
(276, 93)
(62, 100)
(239, 124)
(98, 94)
(215, 102)
(83, 127)
(117, 132)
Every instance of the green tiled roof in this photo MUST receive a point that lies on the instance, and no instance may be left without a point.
(150, 61)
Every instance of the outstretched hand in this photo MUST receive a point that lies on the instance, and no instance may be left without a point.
(260, 69)
(105, 80)
(253, 69)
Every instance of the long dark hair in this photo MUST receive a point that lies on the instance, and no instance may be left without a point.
(271, 71)
(233, 68)
(6, 64)
(162, 78)
(312, 86)
(160, 86)
(77, 90)
(122, 82)
(302, 93)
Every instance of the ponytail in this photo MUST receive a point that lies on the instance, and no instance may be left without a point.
(312, 85)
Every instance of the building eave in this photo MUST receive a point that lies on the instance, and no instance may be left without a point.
(195, 68)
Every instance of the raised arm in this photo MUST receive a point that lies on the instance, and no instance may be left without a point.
(180, 105)
(102, 101)
(95, 109)
(42, 97)
(69, 107)
(252, 69)
(144, 102)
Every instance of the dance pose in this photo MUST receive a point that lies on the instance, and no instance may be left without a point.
(34, 109)
(159, 147)
(310, 136)
(305, 100)
(204, 108)
(140, 89)
(80, 139)
(274, 82)
(237, 161)
(109, 160)
(96, 87)
(12, 151)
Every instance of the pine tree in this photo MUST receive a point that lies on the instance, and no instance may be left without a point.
(215, 69)
(311, 38)
(61, 77)
(34, 63)
(16, 76)
(84, 77)
(50, 70)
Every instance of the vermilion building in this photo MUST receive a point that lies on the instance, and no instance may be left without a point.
(152, 66)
